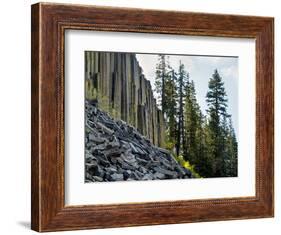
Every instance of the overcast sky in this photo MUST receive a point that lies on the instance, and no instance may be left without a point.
(200, 69)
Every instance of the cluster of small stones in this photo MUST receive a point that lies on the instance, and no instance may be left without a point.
(116, 151)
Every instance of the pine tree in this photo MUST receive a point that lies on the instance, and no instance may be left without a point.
(216, 96)
(221, 138)
(162, 69)
(182, 83)
(191, 123)
(165, 86)
(217, 104)
(231, 151)
(224, 145)
(202, 162)
(171, 110)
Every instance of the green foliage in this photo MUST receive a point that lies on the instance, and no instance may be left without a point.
(216, 96)
(221, 141)
(187, 165)
(169, 142)
(206, 145)
(103, 102)
(105, 105)
(90, 90)
(182, 84)
(165, 83)
(230, 150)
(171, 108)
(162, 75)
(191, 123)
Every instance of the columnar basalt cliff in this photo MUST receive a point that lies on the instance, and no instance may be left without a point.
(116, 82)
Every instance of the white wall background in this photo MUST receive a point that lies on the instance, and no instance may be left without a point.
(15, 116)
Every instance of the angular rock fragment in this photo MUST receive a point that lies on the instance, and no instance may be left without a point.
(104, 162)
(112, 152)
(97, 178)
(116, 177)
(147, 177)
(104, 129)
(165, 172)
(159, 175)
(96, 139)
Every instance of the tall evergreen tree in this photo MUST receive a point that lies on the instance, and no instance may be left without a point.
(231, 161)
(217, 104)
(216, 96)
(171, 110)
(191, 123)
(202, 162)
(182, 83)
(165, 86)
(162, 70)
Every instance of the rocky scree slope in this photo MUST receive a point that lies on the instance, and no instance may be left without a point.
(116, 151)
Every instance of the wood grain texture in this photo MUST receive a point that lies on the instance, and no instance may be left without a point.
(49, 22)
(35, 189)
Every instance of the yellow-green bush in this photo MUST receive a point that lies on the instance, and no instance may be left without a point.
(187, 165)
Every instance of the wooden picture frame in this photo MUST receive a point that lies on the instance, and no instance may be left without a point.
(49, 22)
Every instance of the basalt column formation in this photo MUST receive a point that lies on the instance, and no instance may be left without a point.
(116, 83)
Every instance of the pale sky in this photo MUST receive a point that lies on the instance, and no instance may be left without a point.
(200, 69)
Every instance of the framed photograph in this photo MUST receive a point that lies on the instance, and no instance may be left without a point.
(144, 117)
